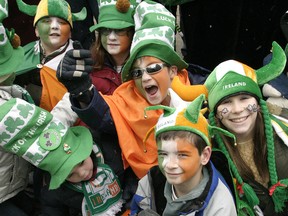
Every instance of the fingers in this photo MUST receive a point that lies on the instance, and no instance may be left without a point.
(73, 75)
(79, 53)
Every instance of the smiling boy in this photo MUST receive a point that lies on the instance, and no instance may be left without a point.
(53, 23)
(193, 185)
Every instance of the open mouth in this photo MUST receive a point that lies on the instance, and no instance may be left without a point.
(151, 90)
(54, 35)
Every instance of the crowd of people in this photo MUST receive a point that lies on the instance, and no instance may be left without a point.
(113, 121)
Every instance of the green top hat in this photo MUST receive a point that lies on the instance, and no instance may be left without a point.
(33, 134)
(115, 14)
(154, 36)
(56, 8)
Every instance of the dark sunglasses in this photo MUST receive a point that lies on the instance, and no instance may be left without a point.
(151, 69)
(119, 32)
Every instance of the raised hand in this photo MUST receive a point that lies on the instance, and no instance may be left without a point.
(73, 70)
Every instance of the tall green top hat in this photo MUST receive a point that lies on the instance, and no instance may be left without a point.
(232, 77)
(56, 8)
(115, 14)
(11, 53)
(189, 118)
(33, 133)
(154, 36)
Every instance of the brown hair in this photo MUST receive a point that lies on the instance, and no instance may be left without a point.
(191, 137)
(259, 151)
(98, 52)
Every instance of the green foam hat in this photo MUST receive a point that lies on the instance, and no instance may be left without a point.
(33, 134)
(55, 8)
(232, 77)
(115, 14)
(154, 36)
(188, 118)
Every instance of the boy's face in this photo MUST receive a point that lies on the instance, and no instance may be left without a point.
(181, 163)
(53, 32)
(154, 87)
(82, 171)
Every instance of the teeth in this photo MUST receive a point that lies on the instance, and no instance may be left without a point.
(238, 119)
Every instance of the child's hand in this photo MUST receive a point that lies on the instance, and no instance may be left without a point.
(73, 71)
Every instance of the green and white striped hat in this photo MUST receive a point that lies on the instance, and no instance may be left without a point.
(33, 134)
(154, 36)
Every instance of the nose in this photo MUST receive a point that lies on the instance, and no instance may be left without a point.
(145, 76)
(54, 24)
(112, 35)
(171, 162)
(237, 107)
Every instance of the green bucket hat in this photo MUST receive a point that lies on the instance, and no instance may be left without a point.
(232, 77)
(115, 14)
(33, 134)
(56, 8)
(154, 36)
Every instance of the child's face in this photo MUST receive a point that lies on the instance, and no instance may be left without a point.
(238, 114)
(154, 87)
(117, 42)
(82, 171)
(53, 32)
(181, 163)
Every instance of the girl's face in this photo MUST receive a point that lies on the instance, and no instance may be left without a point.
(180, 162)
(116, 41)
(238, 114)
(154, 86)
(53, 32)
(82, 171)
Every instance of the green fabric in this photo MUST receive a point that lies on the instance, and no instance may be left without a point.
(56, 8)
(10, 57)
(31, 58)
(32, 133)
(111, 17)
(231, 77)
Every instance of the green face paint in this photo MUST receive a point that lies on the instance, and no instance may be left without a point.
(53, 33)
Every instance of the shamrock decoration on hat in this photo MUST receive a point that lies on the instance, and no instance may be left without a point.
(115, 14)
(154, 36)
(33, 134)
(56, 8)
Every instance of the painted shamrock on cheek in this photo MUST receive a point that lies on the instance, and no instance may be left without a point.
(252, 108)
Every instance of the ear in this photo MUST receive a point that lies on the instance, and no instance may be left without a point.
(36, 32)
(206, 154)
(173, 71)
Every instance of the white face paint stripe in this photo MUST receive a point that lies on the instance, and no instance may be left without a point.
(170, 147)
